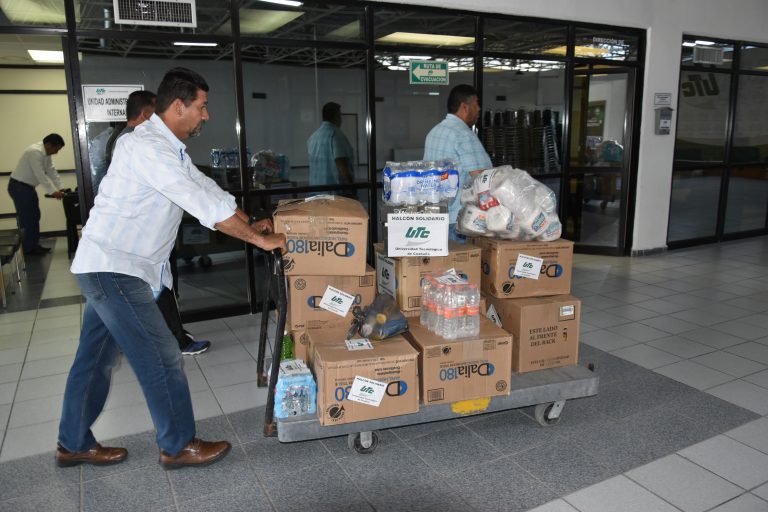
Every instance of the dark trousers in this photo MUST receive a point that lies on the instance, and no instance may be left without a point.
(170, 310)
(28, 209)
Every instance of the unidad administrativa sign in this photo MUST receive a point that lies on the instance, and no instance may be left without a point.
(106, 103)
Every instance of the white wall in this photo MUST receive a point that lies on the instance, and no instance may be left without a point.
(666, 21)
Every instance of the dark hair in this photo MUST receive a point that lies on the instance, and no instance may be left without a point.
(460, 94)
(181, 83)
(330, 110)
(138, 101)
(54, 139)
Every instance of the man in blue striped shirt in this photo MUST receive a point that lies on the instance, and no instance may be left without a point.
(454, 138)
(122, 266)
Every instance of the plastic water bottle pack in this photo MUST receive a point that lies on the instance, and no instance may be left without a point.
(449, 306)
(296, 391)
(508, 203)
(420, 182)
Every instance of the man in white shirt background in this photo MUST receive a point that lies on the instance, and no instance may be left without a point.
(35, 168)
(122, 265)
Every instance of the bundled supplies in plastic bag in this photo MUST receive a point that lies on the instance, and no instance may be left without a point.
(420, 182)
(508, 203)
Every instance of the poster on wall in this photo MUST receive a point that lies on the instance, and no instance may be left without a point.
(106, 103)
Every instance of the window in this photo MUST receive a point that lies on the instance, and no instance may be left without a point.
(702, 116)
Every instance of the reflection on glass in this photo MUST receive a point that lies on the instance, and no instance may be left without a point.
(405, 27)
(405, 113)
(26, 14)
(693, 207)
(211, 265)
(750, 137)
(747, 199)
(306, 79)
(312, 22)
(604, 44)
(508, 35)
(704, 53)
(754, 57)
(594, 209)
(701, 117)
(523, 103)
(152, 17)
(599, 112)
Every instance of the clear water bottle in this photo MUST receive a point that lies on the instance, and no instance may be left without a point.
(451, 312)
(435, 319)
(426, 289)
(472, 312)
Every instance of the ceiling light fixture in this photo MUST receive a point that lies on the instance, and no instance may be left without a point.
(425, 39)
(261, 21)
(704, 43)
(189, 43)
(47, 56)
(291, 3)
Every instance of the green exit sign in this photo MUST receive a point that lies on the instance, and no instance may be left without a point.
(429, 72)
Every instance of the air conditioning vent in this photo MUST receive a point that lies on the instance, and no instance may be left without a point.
(167, 13)
(708, 55)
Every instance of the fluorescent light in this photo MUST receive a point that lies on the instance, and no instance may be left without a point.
(260, 21)
(415, 57)
(292, 3)
(704, 43)
(425, 39)
(184, 43)
(47, 56)
(688, 43)
(25, 13)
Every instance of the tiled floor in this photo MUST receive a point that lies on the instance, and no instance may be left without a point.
(681, 346)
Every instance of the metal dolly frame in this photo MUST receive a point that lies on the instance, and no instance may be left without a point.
(547, 390)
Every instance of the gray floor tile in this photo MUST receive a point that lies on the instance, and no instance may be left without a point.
(10, 372)
(632, 312)
(670, 324)
(761, 491)
(701, 317)
(244, 498)
(607, 340)
(751, 350)
(33, 475)
(119, 492)
(729, 363)
(666, 477)
(501, 485)
(61, 498)
(753, 434)
(741, 329)
(231, 472)
(736, 462)
(712, 338)
(453, 450)
(759, 378)
(694, 375)
(646, 356)
(744, 503)
(512, 431)
(744, 394)
(270, 458)
(410, 432)
(661, 306)
(680, 347)
(339, 493)
(638, 332)
(618, 494)
(555, 506)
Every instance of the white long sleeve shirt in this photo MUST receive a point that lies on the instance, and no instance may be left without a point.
(132, 226)
(36, 168)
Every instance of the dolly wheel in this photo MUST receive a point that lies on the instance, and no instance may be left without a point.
(363, 442)
(205, 261)
(549, 414)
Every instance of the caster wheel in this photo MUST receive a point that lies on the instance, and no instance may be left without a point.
(357, 442)
(205, 261)
(542, 412)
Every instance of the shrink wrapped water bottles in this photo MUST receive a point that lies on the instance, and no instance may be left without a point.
(296, 391)
(420, 182)
(516, 206)
(450, 307)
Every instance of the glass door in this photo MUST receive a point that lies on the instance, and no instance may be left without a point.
(595, 202)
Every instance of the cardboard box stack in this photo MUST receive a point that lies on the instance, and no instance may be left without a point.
(327, 239)
(540, 314)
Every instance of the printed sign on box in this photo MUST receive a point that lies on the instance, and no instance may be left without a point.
(417, 234)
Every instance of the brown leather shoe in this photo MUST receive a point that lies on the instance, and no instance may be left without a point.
(98, 456)
(196, 453)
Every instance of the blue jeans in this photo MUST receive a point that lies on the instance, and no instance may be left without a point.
(28, 209)
(121, 315)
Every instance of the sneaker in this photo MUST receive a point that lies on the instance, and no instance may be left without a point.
(196, 347)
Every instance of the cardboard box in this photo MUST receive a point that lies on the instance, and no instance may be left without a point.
(462, 369)
(301, 344)
(546, 330)
(392, 361)
(305, 293)
(327, 235)
(498, 263)
(401, 277)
